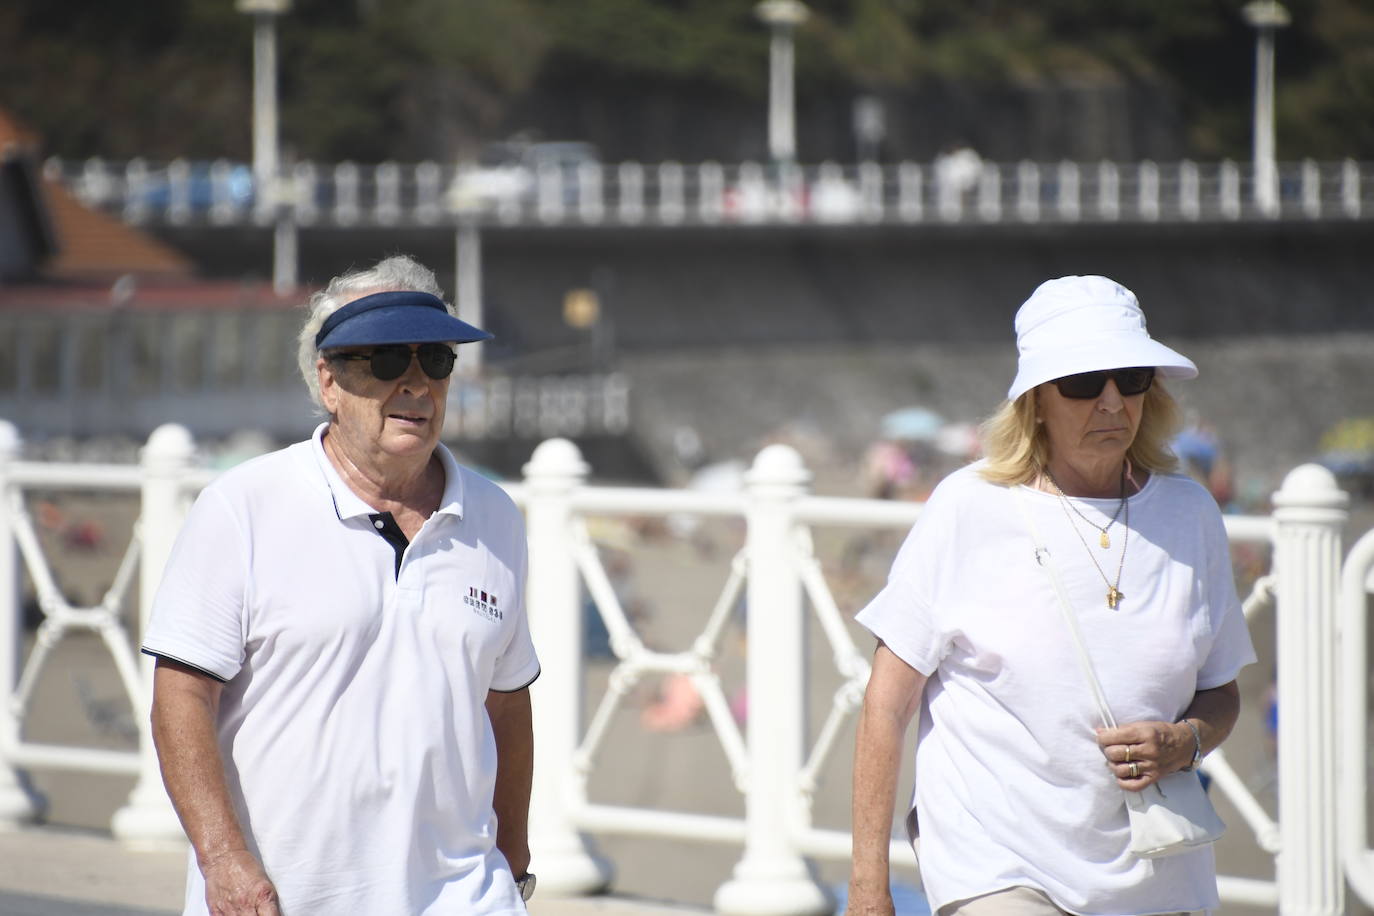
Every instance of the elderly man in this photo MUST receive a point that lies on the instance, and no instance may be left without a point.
(340, 703)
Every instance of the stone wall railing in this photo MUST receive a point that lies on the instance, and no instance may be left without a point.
(674, 194)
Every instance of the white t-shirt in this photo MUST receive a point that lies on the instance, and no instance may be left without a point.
(1011, 787)
(357, 747)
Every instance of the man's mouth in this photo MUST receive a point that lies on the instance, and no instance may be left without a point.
(407, 417)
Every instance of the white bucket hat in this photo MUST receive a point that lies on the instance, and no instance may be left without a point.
(1083, 324)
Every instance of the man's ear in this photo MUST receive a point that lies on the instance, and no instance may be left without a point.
(329, 385)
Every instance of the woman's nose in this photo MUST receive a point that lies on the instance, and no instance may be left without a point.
(1110, 399)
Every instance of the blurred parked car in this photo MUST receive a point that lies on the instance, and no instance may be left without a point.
(196, 186)
(509, 174)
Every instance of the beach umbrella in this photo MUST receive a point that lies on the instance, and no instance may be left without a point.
(915, 424)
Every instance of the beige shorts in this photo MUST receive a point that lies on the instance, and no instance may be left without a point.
(1016, 901)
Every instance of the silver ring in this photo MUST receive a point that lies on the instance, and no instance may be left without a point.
(1135, 770)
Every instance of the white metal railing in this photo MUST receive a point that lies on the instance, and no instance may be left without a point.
(776, 763)
(222, 193)
(1357, 582)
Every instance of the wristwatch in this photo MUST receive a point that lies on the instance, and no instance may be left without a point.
(525, 884)
(1197, 747)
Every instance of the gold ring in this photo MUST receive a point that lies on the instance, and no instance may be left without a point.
(1128, 753)
(1135, 771)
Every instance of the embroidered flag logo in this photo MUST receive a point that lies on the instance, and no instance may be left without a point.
(482, 603)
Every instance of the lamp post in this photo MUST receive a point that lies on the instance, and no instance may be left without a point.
(266, 166)
(782, 17)
(1266, 17)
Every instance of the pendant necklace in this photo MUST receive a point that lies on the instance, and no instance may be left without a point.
(1103, 540)
(1114, 594)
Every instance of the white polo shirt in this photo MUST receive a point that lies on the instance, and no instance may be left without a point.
(357, 747)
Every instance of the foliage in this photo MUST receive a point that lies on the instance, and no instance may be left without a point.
(372, 79)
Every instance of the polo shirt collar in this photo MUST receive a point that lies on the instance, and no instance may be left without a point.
(348, 504)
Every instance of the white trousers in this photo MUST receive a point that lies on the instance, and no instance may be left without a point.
(1016, 901)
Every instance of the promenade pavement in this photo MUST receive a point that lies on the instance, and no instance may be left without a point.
(49, 871)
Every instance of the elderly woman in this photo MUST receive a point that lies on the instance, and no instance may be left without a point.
(340, 704)
(1018, 799)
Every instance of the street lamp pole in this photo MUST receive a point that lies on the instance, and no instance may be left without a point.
(1266, 17)
(782, 17)
(266, 164)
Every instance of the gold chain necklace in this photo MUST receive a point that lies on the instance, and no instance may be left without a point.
(1103, 540)
(1114, 594)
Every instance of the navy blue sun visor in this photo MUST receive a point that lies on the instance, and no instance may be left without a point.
(394, 318)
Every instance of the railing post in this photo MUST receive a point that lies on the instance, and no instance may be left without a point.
(990, 193)
(561, 856)
(147, 819)
(1350, 188)
(1147, 203)
(1228, 180)
(1108, 190)
(1310, 511)
(772, 877)
(19, 803)
(630, 181)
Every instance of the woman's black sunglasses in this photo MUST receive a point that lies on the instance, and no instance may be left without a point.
(390, 361)
(1087, 385)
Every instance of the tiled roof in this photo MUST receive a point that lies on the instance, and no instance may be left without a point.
(95, 245)
(91, 245)
(15, 133)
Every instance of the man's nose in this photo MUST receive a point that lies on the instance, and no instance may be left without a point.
(414, 377)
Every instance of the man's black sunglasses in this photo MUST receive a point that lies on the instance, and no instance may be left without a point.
(1087, 385)
(390, 361)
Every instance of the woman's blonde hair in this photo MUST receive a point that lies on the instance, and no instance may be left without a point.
(1017, 448)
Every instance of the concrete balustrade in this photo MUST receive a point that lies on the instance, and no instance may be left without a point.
(713, 194)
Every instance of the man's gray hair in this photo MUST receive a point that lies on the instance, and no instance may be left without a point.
(398, 273)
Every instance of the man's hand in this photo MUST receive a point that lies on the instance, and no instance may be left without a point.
(869, 902)
(236, 885)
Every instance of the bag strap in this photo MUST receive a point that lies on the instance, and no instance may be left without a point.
(1046, 562)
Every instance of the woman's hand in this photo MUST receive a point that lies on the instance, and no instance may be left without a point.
(1139, 754)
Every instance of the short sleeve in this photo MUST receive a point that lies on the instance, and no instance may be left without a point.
(198, 611)
(518, 665)
(904, 615)
(1227, 647)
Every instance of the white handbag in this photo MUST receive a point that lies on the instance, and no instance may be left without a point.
(1173, 814)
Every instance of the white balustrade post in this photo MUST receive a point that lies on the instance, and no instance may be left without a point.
(148, 819)
(772, 877)
(1310, 511)
(560, 856)
(19, 803)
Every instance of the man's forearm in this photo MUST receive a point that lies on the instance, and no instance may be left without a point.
(192, 770)
(513, 729)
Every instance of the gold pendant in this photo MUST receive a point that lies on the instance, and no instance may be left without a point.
(1104, 540)
(1113, 597)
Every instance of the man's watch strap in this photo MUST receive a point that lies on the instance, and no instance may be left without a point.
(525, 884)
(1197, 747)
